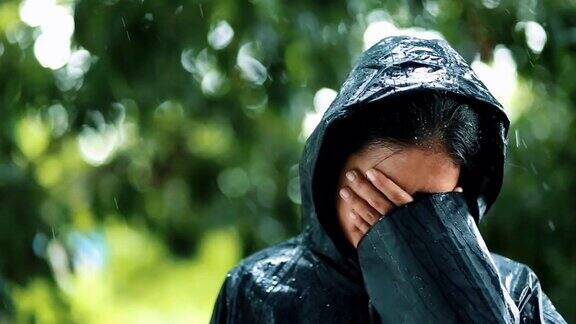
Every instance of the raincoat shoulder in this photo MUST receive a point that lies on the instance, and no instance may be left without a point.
(287, 283)
(524, 287)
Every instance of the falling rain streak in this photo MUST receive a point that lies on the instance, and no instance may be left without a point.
(126, 29)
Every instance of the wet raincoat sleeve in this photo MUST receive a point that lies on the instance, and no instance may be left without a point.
(220, 311)
(426, 262)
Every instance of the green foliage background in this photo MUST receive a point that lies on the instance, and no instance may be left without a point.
(204, 171)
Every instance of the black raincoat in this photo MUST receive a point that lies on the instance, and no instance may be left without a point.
(423, 262)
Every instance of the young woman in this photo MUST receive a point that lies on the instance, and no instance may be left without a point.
(406, 161)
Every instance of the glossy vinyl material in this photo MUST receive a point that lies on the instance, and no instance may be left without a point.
(426, 262)
(318, 277)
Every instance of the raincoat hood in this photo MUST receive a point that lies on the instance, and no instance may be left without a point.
(395, 66)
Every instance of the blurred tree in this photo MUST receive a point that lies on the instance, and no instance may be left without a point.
(179, 118)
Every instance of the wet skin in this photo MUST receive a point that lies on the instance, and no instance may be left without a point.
(379, 178)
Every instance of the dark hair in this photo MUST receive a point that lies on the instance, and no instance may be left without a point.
(425, 118)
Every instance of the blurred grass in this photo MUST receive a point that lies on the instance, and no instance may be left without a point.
(140, 282)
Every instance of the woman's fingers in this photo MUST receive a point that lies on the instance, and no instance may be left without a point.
(360, 227)
(359, 205)
(359, 222)
(368, 200)
(390, 189)
(363, 188)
